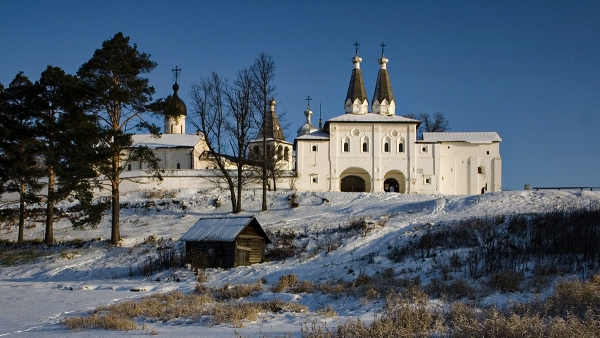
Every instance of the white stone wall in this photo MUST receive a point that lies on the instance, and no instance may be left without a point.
(467, 168)
(313, 166)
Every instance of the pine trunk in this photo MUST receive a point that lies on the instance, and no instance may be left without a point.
(49, 236)
(115, 234)
(21, 212)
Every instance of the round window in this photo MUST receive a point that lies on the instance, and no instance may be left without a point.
(355, 132)
(394, 133)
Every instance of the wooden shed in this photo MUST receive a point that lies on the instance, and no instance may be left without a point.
(225, 242)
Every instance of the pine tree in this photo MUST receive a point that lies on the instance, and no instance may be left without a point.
(68, 137)
(19, 146)
(119, 96)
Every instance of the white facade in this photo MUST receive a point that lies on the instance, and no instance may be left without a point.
(379, 151)
(175, 151)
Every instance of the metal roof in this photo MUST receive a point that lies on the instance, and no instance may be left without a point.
(469, 137)
(317, 135)
(166, 140)
(219, 229)
(371, 117)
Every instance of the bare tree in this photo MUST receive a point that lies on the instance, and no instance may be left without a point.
(224, 115)
(435, 123)
(263, 74)
(276, 165)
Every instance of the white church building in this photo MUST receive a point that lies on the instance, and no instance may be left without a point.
(359, 150)
(379, 151)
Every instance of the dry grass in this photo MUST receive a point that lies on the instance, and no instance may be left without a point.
(98, 321)
(18, 256)
(328, 311)
(204, 302)
(237, 291)
(573, 311)
(284, 282)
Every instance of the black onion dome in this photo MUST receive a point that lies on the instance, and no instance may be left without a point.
(177, 104)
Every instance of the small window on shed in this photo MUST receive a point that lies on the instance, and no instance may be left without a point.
(314, 148)
(424, 149)
(427, 180)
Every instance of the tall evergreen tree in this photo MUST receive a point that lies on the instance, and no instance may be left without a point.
(19, 146)
(119, 96)
(66, 133)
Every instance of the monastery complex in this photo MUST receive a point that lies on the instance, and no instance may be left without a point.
(359, 150)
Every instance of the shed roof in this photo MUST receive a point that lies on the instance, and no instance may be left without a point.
(469, 137)
(166, 140)
(222, 229)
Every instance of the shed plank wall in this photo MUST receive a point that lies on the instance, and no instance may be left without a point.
(225, 252)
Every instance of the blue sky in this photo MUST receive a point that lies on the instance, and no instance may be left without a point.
(529, 70)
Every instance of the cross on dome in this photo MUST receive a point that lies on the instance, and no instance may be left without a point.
(356, 44)
(308, 99)
(382, 47)
(176, 71)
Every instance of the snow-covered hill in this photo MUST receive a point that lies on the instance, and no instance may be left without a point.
(75, 277)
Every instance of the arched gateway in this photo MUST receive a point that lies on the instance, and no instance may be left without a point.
(355, 180)
(352, 183)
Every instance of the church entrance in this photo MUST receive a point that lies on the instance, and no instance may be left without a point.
(391, 185)
(394, 181)
(353, 184)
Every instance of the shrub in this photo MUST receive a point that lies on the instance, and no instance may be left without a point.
(293, 200)
(237, 291)
(576, 297)
(284, 282)
(96, 321)
(507, 281)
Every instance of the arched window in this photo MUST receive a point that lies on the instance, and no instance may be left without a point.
(129, 167)
(286, 153)
(365, 144)
(345, 144)
(400, 147)
(386, 141)
(172, 129)
(256, 151)
(314, 148)
(280, 151)
(178, 166)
